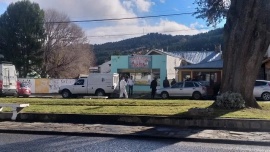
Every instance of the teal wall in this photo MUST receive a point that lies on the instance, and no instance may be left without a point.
(158, 62)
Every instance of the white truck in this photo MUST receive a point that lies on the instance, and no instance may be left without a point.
(8, 79)
(99, 84)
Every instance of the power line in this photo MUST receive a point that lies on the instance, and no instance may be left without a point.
(117, 19)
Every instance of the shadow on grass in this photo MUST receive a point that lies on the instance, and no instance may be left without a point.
(94, 108)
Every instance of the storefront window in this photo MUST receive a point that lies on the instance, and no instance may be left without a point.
(205, 78)
(186, 75)
(141, 76)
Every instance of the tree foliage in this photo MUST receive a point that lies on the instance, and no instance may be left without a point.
(66, 53)
(214, 11)
(246, 39)
(199, 42)
(22, 35)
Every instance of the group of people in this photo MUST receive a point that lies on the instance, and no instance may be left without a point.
(128, 81)
(166, 84)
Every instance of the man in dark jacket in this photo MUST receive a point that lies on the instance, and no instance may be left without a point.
(173, 82)
(153, 86)
(166, 83)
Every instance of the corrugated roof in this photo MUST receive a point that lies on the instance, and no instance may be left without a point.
(217, 64)
(212, 57)
(195, 57)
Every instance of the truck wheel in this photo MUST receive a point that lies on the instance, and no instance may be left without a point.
(16, 95)
(66, 94)
(100, 92)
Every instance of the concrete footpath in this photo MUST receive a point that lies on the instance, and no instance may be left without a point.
(133, 131)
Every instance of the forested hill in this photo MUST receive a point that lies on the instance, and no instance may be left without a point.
(199, 42)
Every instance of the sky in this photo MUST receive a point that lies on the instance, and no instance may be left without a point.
(112, 31)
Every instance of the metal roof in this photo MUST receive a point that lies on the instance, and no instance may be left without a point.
(217, 64)
(195, 57)
(192, 57)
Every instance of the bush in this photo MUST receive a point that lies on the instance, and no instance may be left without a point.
(230, 100)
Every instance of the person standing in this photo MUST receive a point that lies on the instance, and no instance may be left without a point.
(130, 83)
(123, 89)
(173, 82)
(166, 83)
(153, 86)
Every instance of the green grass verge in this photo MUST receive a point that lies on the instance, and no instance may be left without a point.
(131, 106)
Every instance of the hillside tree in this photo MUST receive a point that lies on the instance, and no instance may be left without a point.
(22, 35)
(66, 52)
(246, 39)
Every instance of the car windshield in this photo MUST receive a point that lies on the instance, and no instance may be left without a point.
(177, 85)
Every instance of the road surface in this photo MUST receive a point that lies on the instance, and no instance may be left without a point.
(47, 143)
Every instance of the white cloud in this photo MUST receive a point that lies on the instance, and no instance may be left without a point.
(100, 9)
(140, 5)
(196, 25)
(144, 5)
(116, 33)
(162, 1)
(86, 9)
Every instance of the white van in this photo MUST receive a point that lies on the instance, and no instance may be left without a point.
(99, 84)
(8, 79)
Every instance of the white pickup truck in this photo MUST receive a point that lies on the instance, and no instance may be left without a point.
(99, 84)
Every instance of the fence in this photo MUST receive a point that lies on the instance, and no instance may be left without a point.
(46, 85)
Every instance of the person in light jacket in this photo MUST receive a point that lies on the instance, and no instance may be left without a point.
(130, 83)
(123, 89)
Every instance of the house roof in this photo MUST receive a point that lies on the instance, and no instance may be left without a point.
(217, 64)
(193, 57)
(161, 52)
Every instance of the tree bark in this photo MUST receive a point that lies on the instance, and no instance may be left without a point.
(247, 37)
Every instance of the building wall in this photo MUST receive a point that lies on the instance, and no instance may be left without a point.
(105, 67)
(172, 62)
(158, 62)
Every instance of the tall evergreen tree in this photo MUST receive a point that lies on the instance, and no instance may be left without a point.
(22, 35)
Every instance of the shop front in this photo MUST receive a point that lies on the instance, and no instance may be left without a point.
(208, 74)
(143, 69)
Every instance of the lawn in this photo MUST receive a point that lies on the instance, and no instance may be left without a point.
(131, 106)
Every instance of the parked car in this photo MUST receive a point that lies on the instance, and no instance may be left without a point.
(262, 90)
(23, 89)
(183, 89)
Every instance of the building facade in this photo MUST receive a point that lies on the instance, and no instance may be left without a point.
(144, 68)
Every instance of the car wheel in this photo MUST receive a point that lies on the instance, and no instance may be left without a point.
(66, 94)
(16, 95)
(164, 95)
(196, 95)
(100, 93)
(266, 96)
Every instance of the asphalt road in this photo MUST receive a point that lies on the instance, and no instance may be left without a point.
(26, 142)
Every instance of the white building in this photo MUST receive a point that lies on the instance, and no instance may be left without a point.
(105, 67)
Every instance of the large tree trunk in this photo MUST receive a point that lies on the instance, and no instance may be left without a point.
(247, 37)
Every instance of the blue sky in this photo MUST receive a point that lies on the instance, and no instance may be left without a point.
(110, 31)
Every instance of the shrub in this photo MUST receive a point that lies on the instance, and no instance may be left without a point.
(230, 100)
